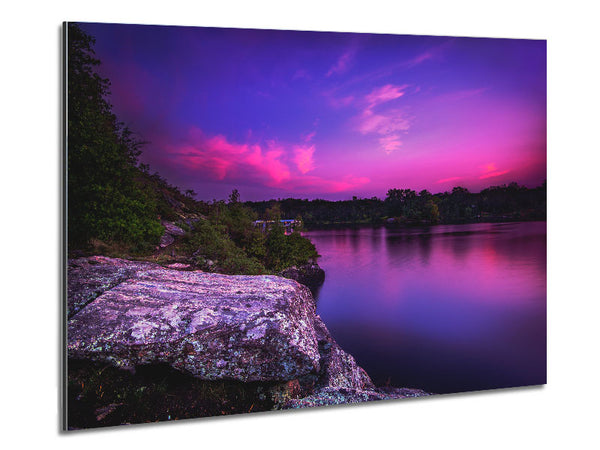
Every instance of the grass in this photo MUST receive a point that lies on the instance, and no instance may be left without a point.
(100, 395)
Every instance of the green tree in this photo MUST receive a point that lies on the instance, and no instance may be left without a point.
(104, 199)
(234, 197)
(273, 213)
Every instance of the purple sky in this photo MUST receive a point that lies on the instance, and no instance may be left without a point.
(280, 114)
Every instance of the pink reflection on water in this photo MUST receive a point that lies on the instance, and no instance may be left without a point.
(472, 295)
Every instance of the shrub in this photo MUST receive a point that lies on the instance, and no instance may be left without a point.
(288, 250)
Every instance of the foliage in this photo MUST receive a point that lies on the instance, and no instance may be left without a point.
(211, 242)
(410, 207)
(288, 250)
(230, 240)
(105, 200)
(407, 207)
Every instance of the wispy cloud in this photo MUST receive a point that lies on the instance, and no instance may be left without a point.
(493, 174)
(303, 157)
(447, 180)
(220, 159)
(421, 58)
(343, 63)
(390, 143)
(461, 95)
(309, 136)
(384, 94)
(301, 74)
(430, 54)
(490, 171)
(339, 102)
(387, 123)
(384, 123)
(314, 184)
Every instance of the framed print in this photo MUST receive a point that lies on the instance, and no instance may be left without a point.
(267, 220)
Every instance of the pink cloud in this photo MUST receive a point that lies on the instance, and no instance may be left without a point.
(493, 174)
(314, 184)
(309, 136)
(491, 171)
(425, 56)
(303, 157)
(331, 95)
(390, 143)
(461, 95)
(387, 123)
(342, 63)
(382, 123)
(384, 94)
(490, 167)
(430, 54)
(447, 180)
(269, 164)
(221, 159)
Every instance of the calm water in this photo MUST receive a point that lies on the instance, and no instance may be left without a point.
(447, 308)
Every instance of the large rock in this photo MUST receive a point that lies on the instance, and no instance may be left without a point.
(90, 277)
(341, 380)
(211, 326)
(247, 328)
(341, 396)
(310, 274)
(338, 368)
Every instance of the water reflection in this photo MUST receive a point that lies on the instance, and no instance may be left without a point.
(444, 308)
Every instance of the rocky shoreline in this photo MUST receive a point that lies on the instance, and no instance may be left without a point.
(257, 335)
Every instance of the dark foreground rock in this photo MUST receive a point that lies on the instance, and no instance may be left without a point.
(310, 275)
(207, 327)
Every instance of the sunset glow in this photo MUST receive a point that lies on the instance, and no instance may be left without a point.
(279, 114)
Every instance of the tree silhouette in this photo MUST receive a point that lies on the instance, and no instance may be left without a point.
(104, 199)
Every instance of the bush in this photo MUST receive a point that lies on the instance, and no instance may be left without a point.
(211, 241)
(287, 250)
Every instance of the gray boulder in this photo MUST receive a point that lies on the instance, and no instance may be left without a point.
(310, 274)
(247, 328)
(213, 327)
(341, 396)
(166, 240)
(171, 230)
(90, 277)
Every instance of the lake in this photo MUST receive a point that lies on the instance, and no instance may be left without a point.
(446, 308)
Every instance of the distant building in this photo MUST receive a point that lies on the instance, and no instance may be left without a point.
(288, 224)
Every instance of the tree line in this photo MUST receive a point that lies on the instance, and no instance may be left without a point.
(510, 202)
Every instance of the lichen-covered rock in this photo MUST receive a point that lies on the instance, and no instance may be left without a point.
(87, 278)
(339, 396)
(172, 229)
(341, 380)
(338, 368)
(178, 266)
(247, 328)
(213, 327)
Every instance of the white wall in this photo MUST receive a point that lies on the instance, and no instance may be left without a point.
(563, 413)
